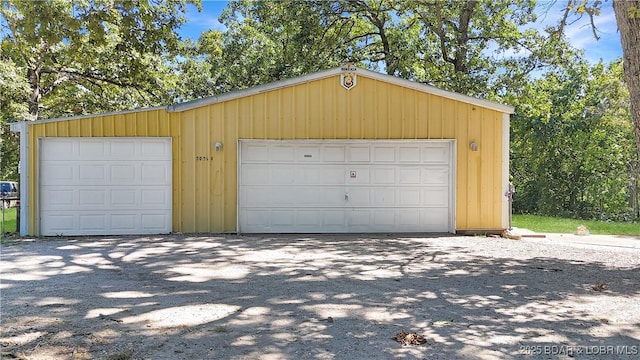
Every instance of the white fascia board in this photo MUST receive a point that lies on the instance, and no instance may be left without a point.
(122, 112)
(301, 80)
(336, 71)
(253, 90)
(436, 91)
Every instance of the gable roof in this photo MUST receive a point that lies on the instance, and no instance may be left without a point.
(295, 81)
(337, 71)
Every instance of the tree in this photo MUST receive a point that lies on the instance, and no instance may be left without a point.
(572, 145)
(479, 48)
(628, 19)
(92, 50)
(472, 47)
(63, 58)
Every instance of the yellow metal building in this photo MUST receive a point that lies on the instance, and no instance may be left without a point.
(342, 150)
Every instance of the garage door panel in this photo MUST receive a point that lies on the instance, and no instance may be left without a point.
(92, 149)
(409, 217)
(92, 222)
(333, 218)
(358, 217)
(155, 222)
(256, 218)
(359, 153)
(154, 150)
(155, 173)
(123, 198)
(384, 217)
(90, 192)
(384, 154)
(92, 198)
(252, 153)
(435, 175)
(409, 175)
(59, 150)
(123, 174)
(57, 173)
(334, 154)
(278, 175)
(435, 197)
(345, 186)
(384, 197)
(409, 154)
(433, 218)
(122, 150)
(92, 174)
(58, 224)
(254, 174)
(305, 153)
(283, 218)
(357, 196)
(384, 175)
(282, 153)
(436, 153)
(123, 222)
(158, 198)
(57, 198)
(410, 196)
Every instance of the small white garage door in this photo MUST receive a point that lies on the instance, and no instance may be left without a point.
(317, 186)
(105, 186)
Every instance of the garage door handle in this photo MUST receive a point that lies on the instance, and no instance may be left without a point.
(346, 196)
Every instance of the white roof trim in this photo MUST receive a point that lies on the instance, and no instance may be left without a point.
(301, 80)
(253, 90)
(337, 71)
(436, 91)
(121, 112)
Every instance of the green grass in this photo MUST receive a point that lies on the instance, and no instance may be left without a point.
(562, 225)
(9, 220)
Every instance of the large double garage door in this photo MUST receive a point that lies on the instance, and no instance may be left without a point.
(346, 186)
(101, 186)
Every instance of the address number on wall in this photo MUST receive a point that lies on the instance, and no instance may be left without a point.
(204, 158)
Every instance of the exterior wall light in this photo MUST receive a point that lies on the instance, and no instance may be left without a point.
(218, 146)
(474, 146)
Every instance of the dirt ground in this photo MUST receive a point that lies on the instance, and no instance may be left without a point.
(317, 297)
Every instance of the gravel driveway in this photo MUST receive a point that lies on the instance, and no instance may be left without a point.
(317, 297)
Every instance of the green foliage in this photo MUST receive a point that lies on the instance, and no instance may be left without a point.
(472, 47)
(563, 225)
(10, 222)
(63, 58)
(572, 149)
(104, 55)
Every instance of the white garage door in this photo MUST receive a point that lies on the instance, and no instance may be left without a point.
(345, 186)
(105, 186)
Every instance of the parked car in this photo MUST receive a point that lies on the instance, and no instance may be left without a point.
(9, 193)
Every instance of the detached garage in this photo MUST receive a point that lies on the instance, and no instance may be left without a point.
(342, 150)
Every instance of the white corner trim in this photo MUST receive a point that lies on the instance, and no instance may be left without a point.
(505, 170)
(23, 129)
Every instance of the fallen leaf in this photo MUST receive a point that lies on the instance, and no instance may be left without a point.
(406, 338)
(599, 287)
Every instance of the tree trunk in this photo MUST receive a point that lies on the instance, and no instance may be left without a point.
(628, 19)
(34, 98)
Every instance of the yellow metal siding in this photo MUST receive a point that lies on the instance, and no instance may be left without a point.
(205, 181)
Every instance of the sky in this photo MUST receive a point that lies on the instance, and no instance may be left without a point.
(579, 34)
